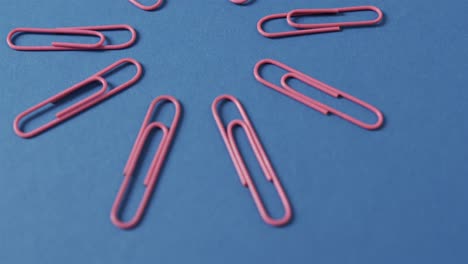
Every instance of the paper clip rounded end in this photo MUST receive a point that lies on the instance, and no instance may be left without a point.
(265, 19)
(286, 219)
(147, 7)
(121, 224)
(380, 120)
(17, 128)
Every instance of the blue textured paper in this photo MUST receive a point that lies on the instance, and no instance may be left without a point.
(397, 195)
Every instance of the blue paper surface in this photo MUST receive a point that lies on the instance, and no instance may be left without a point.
(396, 195)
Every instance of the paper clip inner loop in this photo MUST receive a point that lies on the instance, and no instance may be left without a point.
(244, 175)
(147, 7)
(289, 33)
(77, 108)
(309, 12)
(312, 103)
(155, 167)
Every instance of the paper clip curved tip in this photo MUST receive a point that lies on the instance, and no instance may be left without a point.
(147, 7)
(121, 224)
(280, 222)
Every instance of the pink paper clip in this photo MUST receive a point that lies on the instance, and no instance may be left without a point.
(322, 108)
(147, 7)
(304, 29)
(155, 167)
(227, 134)
(239, 2)
(67, 46)
(82, 105)
(309, 12)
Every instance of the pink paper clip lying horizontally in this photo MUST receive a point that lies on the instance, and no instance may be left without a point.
(227, 134)
(155, 167)
(147, 7)
(82, 105)
(304, 29)
(66, 46)
(322, 108)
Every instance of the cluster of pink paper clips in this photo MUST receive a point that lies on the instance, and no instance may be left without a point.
(168, 132)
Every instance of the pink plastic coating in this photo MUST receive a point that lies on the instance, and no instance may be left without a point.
(156, 165)
(67, 46)
(79, 107)
(147, 7)
(239, 2)
(322, 108)
(309, 12)
(244, 175)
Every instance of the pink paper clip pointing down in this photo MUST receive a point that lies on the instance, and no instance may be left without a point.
(227, 134)
(287, 90)
(147, 7)
(82, 105)
(67, 46)
(304, 29)
(155, 167)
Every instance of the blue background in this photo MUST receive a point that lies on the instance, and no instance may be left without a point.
(397, 195)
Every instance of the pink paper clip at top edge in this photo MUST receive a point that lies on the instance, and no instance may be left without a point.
(83, 104)
(67, 46)
(289, 33)
(155, 167)
(244, 175)
(239, 2)
(147, 7)
(322, 108)
(309, 12)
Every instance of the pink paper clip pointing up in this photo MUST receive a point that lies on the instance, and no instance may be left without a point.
(82, 105)
(304, 29)
(314, 104)
(67, 46)
(227, 134)
(147, 7)
(155, 167)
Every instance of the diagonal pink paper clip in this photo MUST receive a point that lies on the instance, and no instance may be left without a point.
(310, 12)
(312, 103)
(244, 175)
(67, 46)
(147, 7)
(155, 167)
(82, 105)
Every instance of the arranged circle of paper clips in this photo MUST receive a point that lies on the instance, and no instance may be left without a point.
(105, 91)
